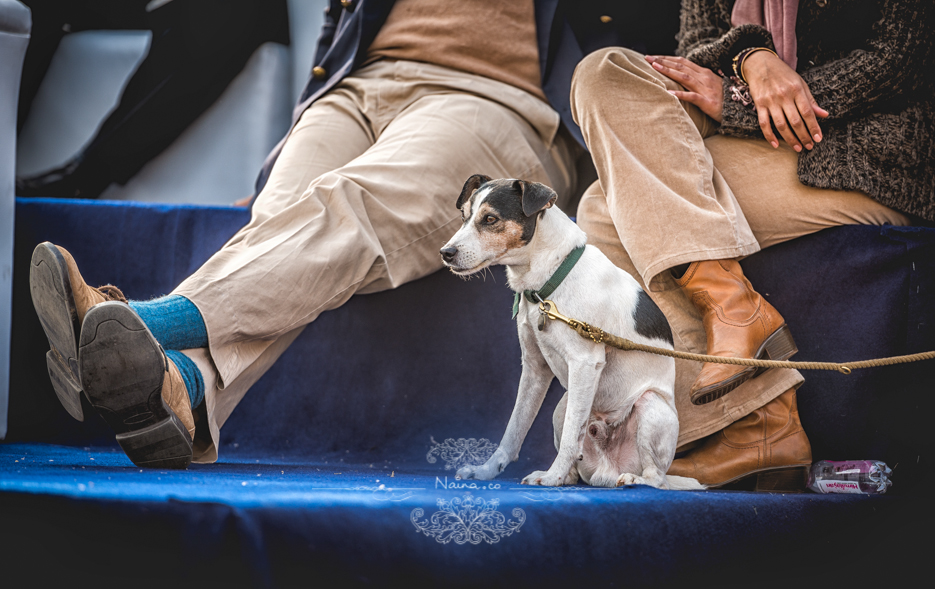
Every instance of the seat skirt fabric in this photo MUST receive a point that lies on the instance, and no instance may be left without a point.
(339, 464)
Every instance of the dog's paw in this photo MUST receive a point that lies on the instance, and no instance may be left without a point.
(630, 479)
(484, 472)
(487, 471)
(544, 478)
(467, 472)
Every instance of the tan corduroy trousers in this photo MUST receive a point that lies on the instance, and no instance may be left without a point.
(360, 200)
(671, 191)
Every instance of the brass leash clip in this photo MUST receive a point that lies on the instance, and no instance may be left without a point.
(550, 310)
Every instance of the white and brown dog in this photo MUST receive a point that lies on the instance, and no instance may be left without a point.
(617, 423)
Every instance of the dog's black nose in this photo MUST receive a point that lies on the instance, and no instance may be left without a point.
(448, 253)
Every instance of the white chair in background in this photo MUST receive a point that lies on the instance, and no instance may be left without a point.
(15, 24)
(215, 161)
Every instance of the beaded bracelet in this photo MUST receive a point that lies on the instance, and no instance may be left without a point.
(740, 58)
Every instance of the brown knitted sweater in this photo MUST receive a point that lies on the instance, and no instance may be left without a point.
(870, 64)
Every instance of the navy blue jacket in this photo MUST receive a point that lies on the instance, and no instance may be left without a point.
(566, 32)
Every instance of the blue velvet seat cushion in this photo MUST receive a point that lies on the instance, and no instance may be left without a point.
(375, 389)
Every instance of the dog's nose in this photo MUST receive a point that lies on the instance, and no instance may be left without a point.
(448, 253)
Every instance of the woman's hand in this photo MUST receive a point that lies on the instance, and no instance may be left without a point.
(782, 98)
(703, 88)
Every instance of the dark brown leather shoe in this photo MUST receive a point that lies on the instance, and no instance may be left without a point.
(739, 323)
(61, 299)
(769, 444)
(133, 385)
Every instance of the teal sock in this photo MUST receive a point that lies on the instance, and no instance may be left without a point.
(194, 382)
(174, 321)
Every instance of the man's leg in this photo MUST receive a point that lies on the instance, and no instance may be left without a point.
(330, 134)
(372, 224)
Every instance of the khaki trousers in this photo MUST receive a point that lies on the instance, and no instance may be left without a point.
(360, 200)
(671, 191)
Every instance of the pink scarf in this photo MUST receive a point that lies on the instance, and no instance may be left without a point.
(778, 16)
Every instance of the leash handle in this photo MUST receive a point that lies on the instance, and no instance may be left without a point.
(599, 336)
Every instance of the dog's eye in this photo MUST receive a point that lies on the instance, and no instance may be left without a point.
(490, 220)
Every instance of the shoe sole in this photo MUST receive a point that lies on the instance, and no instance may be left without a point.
(777, 479)
(122, 368)
(54, 302)
(778, 346)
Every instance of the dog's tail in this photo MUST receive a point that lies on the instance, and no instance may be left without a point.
(677, 483)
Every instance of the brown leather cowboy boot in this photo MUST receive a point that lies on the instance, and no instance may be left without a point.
(739, 323)
(768, 443)
(62, 299)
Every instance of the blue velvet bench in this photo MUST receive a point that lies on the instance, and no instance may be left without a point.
(337, 468)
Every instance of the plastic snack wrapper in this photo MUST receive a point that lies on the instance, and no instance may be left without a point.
(868, 477)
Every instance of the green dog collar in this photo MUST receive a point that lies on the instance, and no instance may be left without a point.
(535, 296)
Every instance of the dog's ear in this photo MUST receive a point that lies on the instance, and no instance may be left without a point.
(536, 197)
(472, 184)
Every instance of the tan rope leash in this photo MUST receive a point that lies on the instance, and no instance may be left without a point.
(599, 336)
